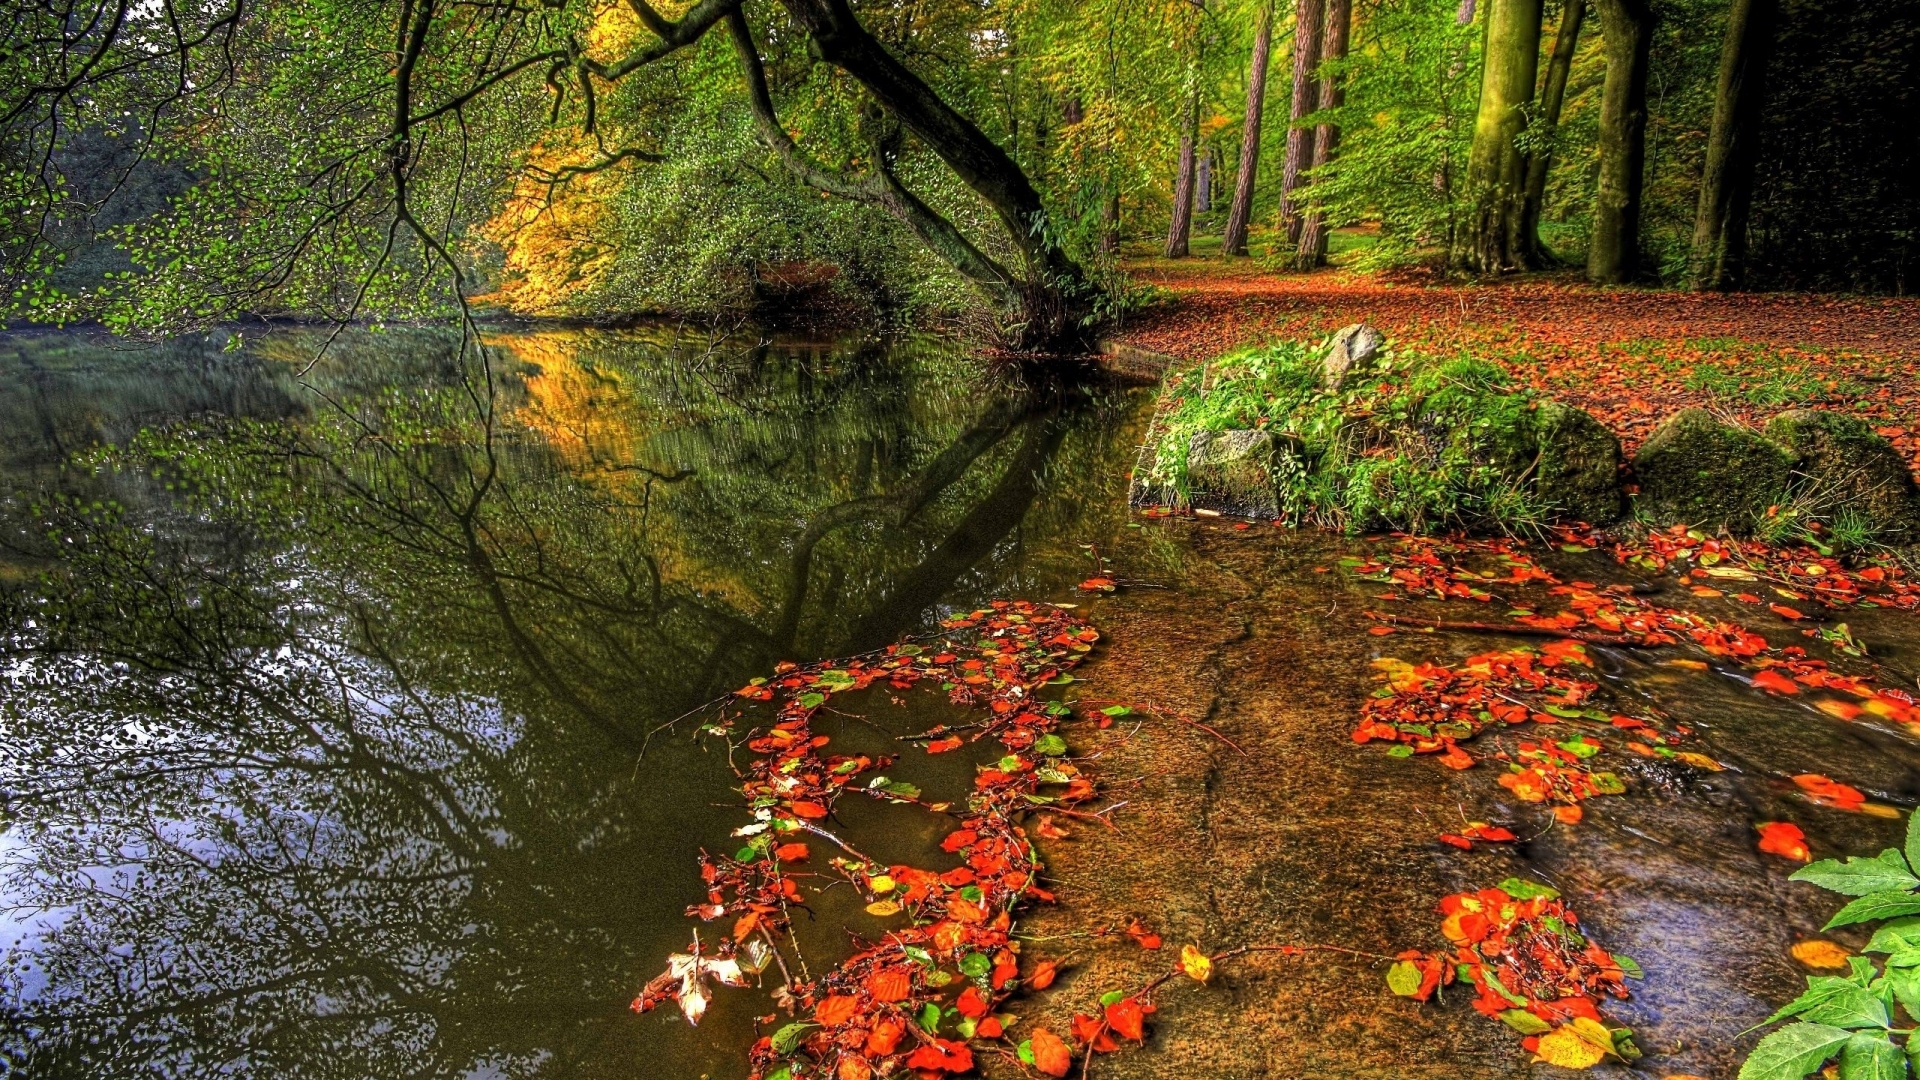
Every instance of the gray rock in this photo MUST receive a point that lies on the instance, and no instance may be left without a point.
(1843, 464)
(1234, 472)
(1353, 350)
(1577, 470)
(1698, 471)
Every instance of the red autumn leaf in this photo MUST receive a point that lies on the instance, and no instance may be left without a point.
(745, 925)
(1050, 1053)
(790, 852)
(809, 810)
(1491, 832)
(884, 1038)
(1379, 631)
(836, 1010)
(1831, 791)
(1047, 829)
(990, 1028)
(1126, 1017)
(1097, 584)
(892, 984)
(1145, 937)
(1093, 1032)
(941, 746)
(1785, 612)
(1769, 679)
(1460, 842)
(1782, 838)
(957, 840)
(1042, 977)
(942, 1055)
(971, 1004)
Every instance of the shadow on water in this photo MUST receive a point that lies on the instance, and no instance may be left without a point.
(325, 721)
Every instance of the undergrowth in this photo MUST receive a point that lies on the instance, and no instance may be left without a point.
(1420, 443)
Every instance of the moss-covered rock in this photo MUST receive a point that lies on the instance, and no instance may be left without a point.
(1697, 470)
(1578, 470)
(1844, 469)
(1235, 472)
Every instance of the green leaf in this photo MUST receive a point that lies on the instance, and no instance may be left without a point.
(1872, 1057)
(930, 1017)
(975, 965)
(1853, 1007)
(1400, 750)
(1628, 967)
(1880, 905)
(781, 1073)
(812, 701)
(1527, 890)
(1607, 783)
(789, 1037)
(1025, 1051)
(1897, 936)
(1525, 1022)
(1404, 978)
(1860, 876)
(1913, 840)
(1498, 987)
(1821, 991)
(1113, 997)
(1793, 1052)
(1050, 745)
(1903, 978)
(1116, 710)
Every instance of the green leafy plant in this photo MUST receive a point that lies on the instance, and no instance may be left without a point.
(1851, 1017)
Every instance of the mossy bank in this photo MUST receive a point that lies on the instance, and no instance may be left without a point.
(1354, 434)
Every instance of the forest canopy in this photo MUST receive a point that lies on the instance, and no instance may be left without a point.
(168, 164)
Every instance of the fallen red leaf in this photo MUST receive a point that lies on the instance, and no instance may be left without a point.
(1050, 1053)
(1783, 838)
(1769, 679)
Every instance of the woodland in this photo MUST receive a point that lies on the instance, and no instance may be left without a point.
(172, 165)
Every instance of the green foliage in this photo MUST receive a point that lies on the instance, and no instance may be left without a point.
(1851, 1017)
(1422, 443)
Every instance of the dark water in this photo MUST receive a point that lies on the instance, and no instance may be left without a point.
(332, 721)
(334, 732)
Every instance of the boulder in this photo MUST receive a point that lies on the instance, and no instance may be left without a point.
(1698, 471)
(1577, 466)
(1353, 350)
(1234, 472)
(1843, 465)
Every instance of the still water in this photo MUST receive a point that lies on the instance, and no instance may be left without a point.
(338, 723)
(334, 704)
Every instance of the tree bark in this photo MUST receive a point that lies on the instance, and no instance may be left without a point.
(1627, 26)
(1718, 259)
(1308, 16)
(1056, 295)
(1552, 95)
(1204, 183)
(1495, 177)
(1182, 225)
(1313, 234)
(1241, 212)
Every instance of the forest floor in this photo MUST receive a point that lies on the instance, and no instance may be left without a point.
(1632, 357)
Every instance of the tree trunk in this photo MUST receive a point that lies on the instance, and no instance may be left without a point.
(1718, 260)
(1241, 212)
(1552, 95)
(1182, 201)
(1313, 235)
(1495, 180)
(1056, 296)
(1308, 15)
(1110, 222)
(1204, 183)
(1627, 26)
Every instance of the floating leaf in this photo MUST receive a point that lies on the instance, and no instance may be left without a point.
(1195, 964)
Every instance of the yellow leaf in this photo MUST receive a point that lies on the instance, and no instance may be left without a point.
(1816, 953)
(1197, 965)
(881, 883)
(883, 908)
(1700, 761)
(1566, 1048)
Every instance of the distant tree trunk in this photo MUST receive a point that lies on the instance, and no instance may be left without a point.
(1627, 26)
(1182, 226)
(1110, 222)
(1496, 181)
(1313, 235)
(1552, 95)
(1308, 16)
(1241, 212)
(1203, 183)
(1718, 260)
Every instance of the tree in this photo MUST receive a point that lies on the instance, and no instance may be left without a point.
(1181, 226)
(1241, 212)
(1540, 155)
(1627, 29)
(1490, 240)
(1718, 258)
(1308, 16)
(1313, 235)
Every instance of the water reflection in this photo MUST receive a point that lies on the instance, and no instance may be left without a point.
(322, 710)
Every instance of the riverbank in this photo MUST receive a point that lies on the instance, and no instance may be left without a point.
(1631, 357)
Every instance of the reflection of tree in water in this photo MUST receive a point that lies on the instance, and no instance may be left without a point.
(322, 765)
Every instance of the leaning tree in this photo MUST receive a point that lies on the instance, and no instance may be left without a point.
(330, 151)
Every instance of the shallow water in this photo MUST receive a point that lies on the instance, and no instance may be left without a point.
(339, 741)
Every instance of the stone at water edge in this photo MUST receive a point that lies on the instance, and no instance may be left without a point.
(1577, 472)
(1353, 350)
(1696, 470)
(1843, 463)
(1234, 472)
